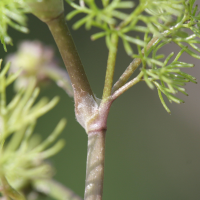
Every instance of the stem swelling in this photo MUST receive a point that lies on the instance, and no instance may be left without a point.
(95, 165)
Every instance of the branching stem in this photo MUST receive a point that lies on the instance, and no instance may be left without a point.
(137, 61)
(132, 67)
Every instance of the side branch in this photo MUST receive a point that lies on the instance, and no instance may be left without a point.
(132, 67)
(128, 85)
(137, 61)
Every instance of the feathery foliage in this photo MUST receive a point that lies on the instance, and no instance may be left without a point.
(12, 13)
(171, 78)
(166, 20)
(149, 26)
(22, 155)
(111, 19)
(163, 21)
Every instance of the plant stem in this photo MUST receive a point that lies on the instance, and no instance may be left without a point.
(132, 67)
(82, 95)
(128, 85)
(136, 62)
(95, 165)
(110, 66)
(66, 46)
(55, 190)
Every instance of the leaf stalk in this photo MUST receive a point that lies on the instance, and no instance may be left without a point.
(110, 66)
(128, 85)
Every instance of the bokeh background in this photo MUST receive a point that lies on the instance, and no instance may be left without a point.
(150, 155)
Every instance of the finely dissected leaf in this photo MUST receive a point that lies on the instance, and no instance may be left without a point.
(21, 161)
(110, 15)
(98, 35)
(169, 74)
(163, 102)
(167, 21)
(12, 13)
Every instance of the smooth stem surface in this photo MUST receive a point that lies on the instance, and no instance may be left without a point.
(66, 46)
(128, 85)
(110, 66)
(54, 189)
(95, 165)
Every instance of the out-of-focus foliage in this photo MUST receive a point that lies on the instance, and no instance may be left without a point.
(12, 13)
(22, 154)
(38, 61)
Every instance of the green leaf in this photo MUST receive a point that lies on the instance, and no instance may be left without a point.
(127, 47)
(72, 14)
(134, 40)
(163, 102)
(125, 4)
(148, 82)
(98, 35)
(12, 13)
(81, 22)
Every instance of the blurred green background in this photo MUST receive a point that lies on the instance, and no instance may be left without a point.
(150, 155)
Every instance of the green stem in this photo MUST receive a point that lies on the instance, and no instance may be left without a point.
(128, 85)
(66, 46)
(55, 190)
(95, 165)
(137, 61)
(110, 66)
